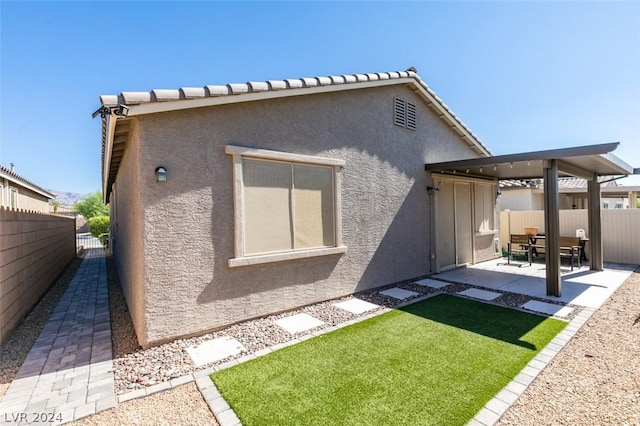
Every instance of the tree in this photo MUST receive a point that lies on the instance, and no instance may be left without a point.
(91, 206)
(98, 226)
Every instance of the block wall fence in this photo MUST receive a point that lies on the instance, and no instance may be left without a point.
(35, 249)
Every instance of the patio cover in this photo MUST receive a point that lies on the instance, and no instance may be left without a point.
(588, 162)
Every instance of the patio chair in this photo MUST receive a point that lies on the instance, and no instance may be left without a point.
(518, 244)
(570, 248)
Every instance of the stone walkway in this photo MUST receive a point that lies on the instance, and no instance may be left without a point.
(68, 374)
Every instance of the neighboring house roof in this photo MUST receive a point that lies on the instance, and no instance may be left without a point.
(161, 100)
(12, 176)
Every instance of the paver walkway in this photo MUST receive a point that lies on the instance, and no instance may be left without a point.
(68, 374)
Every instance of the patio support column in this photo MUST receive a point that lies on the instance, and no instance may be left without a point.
(595, 225)
(552, 228)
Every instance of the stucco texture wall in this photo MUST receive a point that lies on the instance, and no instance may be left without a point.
(126, 232)
(32, 201)
(34, 250)
(187, 234)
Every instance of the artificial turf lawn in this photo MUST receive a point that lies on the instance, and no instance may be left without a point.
(436, 362)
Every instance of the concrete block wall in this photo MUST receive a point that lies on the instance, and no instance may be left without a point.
(35, 249)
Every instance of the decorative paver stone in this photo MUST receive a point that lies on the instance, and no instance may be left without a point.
(356, 306)
(399, 293)
(548, 308)
(214, 350)
(427, 282)
(299, 323)
(480, 294)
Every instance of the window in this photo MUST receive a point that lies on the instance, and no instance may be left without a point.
(404, 114)
(287, 206)
(484, 207)
(13, 199)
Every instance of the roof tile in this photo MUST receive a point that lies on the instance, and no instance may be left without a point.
(109, 100)
(361, 77)
(324, 81)
(349, 78)
(134, 98)
(383, 75)
(309, 81)
(277, 84)
(161, 95)
(192, 92)
(337, 79)
(294, 83)
(236, 88)
(216, 90)
(372, 76)
(258, 86)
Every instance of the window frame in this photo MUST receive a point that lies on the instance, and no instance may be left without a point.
(238, 153)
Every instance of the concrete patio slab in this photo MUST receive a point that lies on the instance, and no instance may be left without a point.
(299, 323)
(548, 308)
(398, 293)
(214, 350)
(581, 287)
(356, 306)
(480, 294)
(431, 283)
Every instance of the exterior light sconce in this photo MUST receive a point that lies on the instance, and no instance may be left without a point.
(161, 174)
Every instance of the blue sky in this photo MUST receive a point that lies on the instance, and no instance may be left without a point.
(523, 76)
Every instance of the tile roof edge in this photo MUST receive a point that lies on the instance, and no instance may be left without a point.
(24, 181)
(233, 89)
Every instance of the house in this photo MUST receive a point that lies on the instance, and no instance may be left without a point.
(528, 194)
(237, 201)
(17, 192)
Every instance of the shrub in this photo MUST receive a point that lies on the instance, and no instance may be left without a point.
(98, 225)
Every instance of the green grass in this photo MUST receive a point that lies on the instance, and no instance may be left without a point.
(434, 362)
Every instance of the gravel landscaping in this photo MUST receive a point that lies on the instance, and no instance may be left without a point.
(136, 368)
(594, 380)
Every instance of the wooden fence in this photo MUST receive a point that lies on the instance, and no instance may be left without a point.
(620, 230)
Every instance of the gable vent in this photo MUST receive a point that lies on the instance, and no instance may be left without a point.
(411, 116)
(404, 114)
(400, 112)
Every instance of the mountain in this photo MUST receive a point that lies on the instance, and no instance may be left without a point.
(67, 198)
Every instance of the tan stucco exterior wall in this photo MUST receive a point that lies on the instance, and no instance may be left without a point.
(34, 250)
(27, 200)
(126, 231)
(186, 224)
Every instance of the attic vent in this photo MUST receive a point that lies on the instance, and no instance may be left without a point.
(404, 114)
(411, 116)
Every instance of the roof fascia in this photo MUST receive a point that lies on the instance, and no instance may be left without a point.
(111, 126)
(434, 102)
(155, 107)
